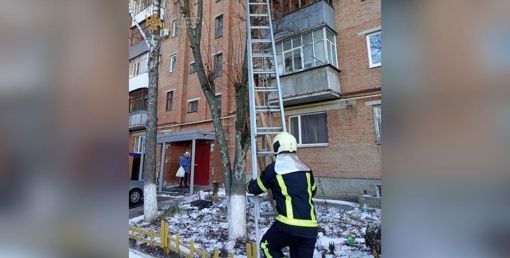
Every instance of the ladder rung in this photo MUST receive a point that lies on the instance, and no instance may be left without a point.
(257, 3)
(265, 153)
(253, 41)
(259, 14)
(263, 71)
(265, 89)
(259, 27)
(262, 55)
(268, 131)
(267, 109)
(268, 214)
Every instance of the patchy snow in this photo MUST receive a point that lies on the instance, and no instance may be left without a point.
(132, 254)
(135, 220)
(352, 204)
(209, 226)
(167, 195)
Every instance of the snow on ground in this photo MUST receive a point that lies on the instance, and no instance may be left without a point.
(209, 226)
(133, 255)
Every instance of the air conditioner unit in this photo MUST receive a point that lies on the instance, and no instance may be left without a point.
(165, 33)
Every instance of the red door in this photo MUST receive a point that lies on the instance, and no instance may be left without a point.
(202, 159)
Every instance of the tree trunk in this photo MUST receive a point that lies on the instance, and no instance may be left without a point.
(150, 206)
(235, 179)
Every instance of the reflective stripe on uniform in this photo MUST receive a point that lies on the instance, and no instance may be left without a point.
(263, 245)
(288, 199)
(312, 215)
(297, 222)
(314, 186)
(261, 185)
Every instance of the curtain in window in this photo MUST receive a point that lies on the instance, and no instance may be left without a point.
(314, 129)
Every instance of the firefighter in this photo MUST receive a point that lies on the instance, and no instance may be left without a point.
(293, 186)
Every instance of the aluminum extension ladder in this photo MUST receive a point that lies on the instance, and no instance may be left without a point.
(266, 108)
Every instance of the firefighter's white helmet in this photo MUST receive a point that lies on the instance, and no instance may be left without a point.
(284, 142)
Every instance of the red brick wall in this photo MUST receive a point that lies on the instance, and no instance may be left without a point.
(352, 150)
(351, 18)
(174, 152)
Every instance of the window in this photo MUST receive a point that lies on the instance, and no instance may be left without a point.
(217, 65)
(192, 106)
(218, 102)
(175, 27)
(374, 49)
(135, 36)
(139, 144)
(192, 67)
(310, 129)
(139, 5)
(138, 65)
(173, 62)
(169, 100)
(219, 26)
(378, 121)
(138, 100)
(308, 50)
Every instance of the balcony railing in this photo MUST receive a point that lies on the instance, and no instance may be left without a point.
(312, 85)
(137, 119)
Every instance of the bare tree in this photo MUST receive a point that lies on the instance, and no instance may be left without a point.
(150, 205)
(234, 176)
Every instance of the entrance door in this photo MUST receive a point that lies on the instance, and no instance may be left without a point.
(202, 159)
(135, 168)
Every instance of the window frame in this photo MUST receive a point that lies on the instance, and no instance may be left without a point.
(175, 27)
(378, 123)
(138, 65)
(328, 47)
(217, 20)
(190, 101)
(369, 49)
(216, 70)
(138, 146)
(216, 101)
(192, 64)
(168, 100)
(299, 137)
(173, 65)
(138, 100)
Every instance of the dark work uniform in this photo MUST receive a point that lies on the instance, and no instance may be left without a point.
(293, 187)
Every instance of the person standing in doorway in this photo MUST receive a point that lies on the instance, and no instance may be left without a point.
(185, 163)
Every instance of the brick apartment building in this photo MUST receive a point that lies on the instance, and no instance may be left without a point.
(329, 60)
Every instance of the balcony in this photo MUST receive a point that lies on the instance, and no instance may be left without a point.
(312, 85)
(139, 81)
(141, 16)
(310, 16)
(137, 120)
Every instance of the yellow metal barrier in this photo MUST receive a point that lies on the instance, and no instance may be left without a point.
(169, 243)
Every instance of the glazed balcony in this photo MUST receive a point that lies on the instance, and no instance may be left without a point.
(308, 86)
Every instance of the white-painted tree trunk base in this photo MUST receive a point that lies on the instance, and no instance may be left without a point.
(237, 217)
(150, 203)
